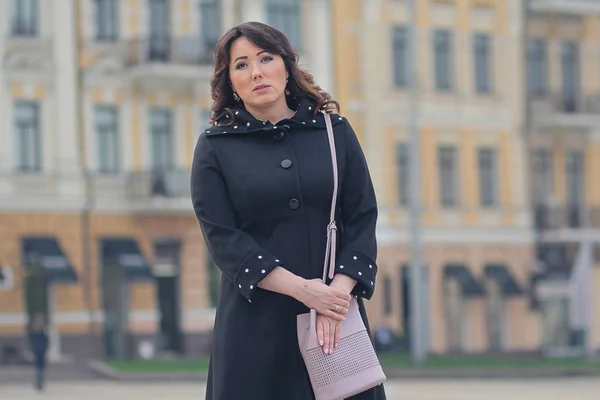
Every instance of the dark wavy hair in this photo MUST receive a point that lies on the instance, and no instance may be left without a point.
(300, 82)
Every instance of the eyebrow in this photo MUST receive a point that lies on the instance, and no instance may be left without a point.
(246, 57)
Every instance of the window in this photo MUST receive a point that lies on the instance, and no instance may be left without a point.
(27, 128)
(285, 16)
(570, 76)
(107, 20)
(488, 177)
(107, 133)
(160, 30)
(210, 23)
(402, 163)
(536, 67)
(387, 295)
(483, 62)
(448, 172)
(543, 175)
(203, 116)
(555, 328)
(400, 55)
(495, 315)
(443, 60)
(575, 177)
(24, 17)
(455, 315)
(161, 139)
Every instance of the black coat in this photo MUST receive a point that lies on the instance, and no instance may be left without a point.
(262, 195)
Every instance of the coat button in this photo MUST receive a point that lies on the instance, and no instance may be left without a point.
(294, 204)
(286, 163)
(278, 135)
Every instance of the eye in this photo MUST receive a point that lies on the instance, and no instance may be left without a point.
(240, 65)
(267, 58)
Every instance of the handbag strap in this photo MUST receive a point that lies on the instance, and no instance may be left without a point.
(329, 264)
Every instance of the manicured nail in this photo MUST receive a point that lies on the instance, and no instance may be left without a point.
(321, 343)
(330, 351)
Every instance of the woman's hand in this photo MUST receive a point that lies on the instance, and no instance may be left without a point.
(326, 300)
(328, 333)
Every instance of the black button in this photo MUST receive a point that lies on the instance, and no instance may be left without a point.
(278, 135)
(286, 163)
(294, 204)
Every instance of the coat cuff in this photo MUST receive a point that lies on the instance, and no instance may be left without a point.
(253, 270)
(359, 267)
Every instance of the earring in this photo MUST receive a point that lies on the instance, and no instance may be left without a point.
(287, 92)
(236, 97)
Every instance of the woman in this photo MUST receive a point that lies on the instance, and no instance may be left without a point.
(261, 189)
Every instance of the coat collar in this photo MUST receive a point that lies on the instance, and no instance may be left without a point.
(242, 122)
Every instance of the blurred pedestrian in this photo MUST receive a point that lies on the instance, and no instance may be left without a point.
(38, 340)
(262, 183)
(384, 338)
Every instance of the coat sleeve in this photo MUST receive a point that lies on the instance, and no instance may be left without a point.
(234, 251)
(358, 205)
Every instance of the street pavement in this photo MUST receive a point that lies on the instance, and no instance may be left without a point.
(425, 389)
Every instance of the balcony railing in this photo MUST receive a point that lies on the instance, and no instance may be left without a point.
(566, 6)
(167, 183)
(23, 27)
(188, 51)
(555, 218)
(566, 110)
(567, 104)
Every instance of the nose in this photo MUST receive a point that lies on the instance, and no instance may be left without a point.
(256, 72)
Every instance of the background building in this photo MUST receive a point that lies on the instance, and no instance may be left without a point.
(101, 102)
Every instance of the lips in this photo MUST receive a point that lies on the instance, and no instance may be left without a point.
(260, 87)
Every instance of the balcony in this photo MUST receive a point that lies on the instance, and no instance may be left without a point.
(558, 218)
(26, 54)
(40, 190)
(560, 111)
(183, 58)
(579, 7)
(160, 190)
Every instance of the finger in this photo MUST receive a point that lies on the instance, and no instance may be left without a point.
(343, 295)
(326, 337)
(342, 310)
(338, 328)
(335, 316)
(332, 325)
(344, 303)
(320, 331)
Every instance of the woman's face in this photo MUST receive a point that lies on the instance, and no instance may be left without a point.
(257, 76)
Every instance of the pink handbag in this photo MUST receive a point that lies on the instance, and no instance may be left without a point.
(353, 367)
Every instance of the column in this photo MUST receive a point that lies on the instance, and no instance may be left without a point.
(66, 88)
(373, 84)
(253, 10)
(6, 136)
(228, 15)
(320, 27)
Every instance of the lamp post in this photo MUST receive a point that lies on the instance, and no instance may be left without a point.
(418, 326)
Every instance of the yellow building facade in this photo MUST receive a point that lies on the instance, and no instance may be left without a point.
(103, 101)
(96, 226)
(484, 254)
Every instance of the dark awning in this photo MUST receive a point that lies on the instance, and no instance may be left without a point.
(468, 283)
(502, 275)
(45, 252)
(126, 253)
